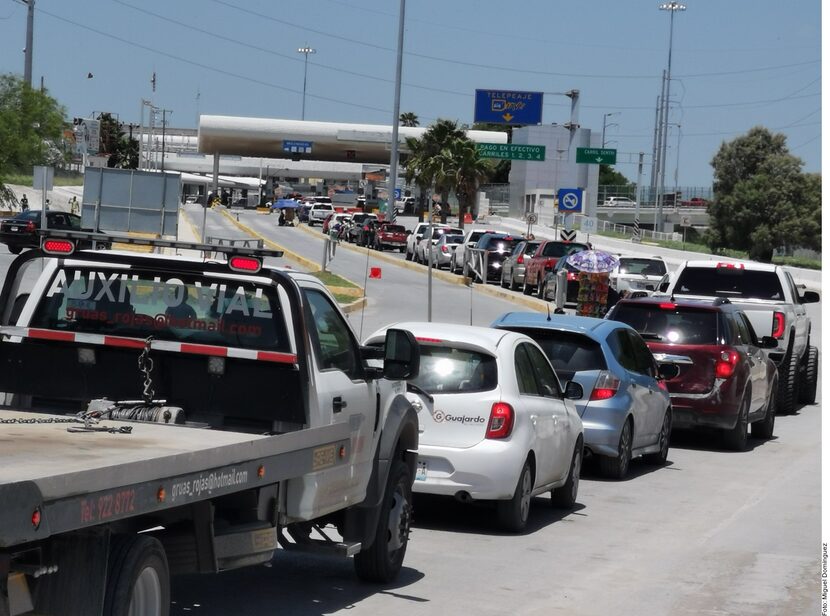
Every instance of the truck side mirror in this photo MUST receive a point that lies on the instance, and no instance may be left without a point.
(402, 356)
(767, 342)
(810, 297)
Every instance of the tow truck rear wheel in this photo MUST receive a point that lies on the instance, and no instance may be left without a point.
(382, 561)
(138, 578)
(809, 377)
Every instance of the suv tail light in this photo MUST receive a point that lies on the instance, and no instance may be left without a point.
(501, 421)
(727, 361)
(606, 386)
(778, 325)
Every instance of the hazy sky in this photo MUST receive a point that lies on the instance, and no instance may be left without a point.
(735, 64)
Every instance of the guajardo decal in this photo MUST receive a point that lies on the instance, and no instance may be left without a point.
(442, 417)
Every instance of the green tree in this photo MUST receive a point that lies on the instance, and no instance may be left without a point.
(409, 118)
(31, 126)
(468, 171)
(762, 201)
(122, 151)
(608, 176)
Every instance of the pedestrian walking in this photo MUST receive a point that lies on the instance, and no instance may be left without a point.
(24, 204)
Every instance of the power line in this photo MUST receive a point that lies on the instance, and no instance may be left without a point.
(207, 67)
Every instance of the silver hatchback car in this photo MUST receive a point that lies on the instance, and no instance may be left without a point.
(513, 268)
(626, 409)
(442, 252)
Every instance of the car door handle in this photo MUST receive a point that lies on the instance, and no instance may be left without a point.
(533, 419)
(338, 404)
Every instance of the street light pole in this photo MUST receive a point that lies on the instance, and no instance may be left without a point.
(671, 7)
(605, 117)
(305, 50)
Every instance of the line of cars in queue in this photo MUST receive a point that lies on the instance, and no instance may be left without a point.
(509, 412)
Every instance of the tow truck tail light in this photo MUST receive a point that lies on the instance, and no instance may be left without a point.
(500, 424)
(248, 265)
(606, 386)
(727, 361)
(779, 324)
(58, 247)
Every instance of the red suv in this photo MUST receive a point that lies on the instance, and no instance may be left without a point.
(726, 380)
(544, 260)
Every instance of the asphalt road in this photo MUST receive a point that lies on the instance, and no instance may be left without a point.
(713, 532)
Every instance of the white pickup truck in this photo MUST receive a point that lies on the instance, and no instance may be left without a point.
(169, 415)
(770, 298)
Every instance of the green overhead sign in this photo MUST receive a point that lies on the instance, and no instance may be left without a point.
(596, 156)
(511, 151)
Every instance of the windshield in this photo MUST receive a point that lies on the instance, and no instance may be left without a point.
(645, 267)
(178, 307)
(453, 239)
(675, 326)
(450, 370)
(728, 282)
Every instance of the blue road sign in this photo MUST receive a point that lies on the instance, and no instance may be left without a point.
(570, 200)
(508, 107)
(398, 194)
(297, 147)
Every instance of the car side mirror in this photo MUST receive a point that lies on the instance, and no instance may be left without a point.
(401, 355)
(768, 342)
(667, 371)
(810, 297)
(573, 391)
(663, 287)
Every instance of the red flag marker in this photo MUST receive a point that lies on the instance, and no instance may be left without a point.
(374, 272)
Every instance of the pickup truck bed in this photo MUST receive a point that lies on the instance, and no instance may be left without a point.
(81, 479)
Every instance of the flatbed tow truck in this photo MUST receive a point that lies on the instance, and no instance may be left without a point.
(170, 415)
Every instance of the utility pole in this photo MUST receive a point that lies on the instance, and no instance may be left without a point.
(391, 211)
(164, 113)
(30, 36)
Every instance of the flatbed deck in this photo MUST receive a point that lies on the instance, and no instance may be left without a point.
(81, 479)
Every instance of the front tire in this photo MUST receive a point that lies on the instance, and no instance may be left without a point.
(809, 377)
(513, 513)
(138, 578)
(658, 458)
(616, 467)
(564, 497)
(382, 561)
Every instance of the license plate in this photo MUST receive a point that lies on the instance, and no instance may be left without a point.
(14, 228)
(421, 473)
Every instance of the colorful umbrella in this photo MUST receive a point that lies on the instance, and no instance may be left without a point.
(593, 261)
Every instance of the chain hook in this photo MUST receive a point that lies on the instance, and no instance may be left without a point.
(145, 366)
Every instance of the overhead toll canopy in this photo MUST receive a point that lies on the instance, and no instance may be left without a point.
(269, 167)
(224, 181)
(324, 141)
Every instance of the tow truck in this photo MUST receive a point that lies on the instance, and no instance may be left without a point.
(167, 414)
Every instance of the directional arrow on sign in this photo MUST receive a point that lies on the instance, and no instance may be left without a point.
(599, 159)
(507, 117)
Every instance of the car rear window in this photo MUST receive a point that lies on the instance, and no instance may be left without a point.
(178, 307)
(568, 352)
(454, 239)
(394, 229)
(647, 267)
(560, 249)
(679, 325)
(446, 369)
(502, 244)
(728, 282)
(531, 248)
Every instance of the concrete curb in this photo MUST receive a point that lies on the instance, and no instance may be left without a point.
(525, 300)
(354, 306)
(291, 255)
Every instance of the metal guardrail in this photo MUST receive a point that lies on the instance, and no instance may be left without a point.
(479, 260)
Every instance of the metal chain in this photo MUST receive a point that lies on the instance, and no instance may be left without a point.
(47, 420)
(145, 365)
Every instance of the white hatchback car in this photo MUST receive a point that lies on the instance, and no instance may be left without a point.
(500, 427)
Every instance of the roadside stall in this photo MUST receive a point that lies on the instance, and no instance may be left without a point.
(595, 267)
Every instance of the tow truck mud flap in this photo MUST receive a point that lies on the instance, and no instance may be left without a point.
(77, 589)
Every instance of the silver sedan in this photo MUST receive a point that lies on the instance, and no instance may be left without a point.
(442, 252)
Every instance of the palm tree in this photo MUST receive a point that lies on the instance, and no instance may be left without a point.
(408, 118)
(468, 172)
(425, 165)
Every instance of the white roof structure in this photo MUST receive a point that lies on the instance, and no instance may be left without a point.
(331, 141)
